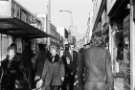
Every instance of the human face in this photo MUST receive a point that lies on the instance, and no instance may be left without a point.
(53, 51)
(11, 54)
(71, 47)
(61, 53)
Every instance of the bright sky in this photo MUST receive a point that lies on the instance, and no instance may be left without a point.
(80, 12)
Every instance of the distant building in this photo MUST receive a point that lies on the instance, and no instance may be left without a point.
(89, 23)
(55, 35)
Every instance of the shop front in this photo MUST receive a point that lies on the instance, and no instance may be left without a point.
(132, 35)
(119, 42)
(16, 26)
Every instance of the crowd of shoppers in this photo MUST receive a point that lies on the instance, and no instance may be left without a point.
(43, 68)
(56, 68)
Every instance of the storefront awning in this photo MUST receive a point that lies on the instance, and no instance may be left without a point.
(18, 28)
(119, 10)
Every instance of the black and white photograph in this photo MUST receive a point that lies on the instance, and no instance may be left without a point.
(67, 44)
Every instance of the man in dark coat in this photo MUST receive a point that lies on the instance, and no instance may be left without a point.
(42, 55)
(80, 74)
(98, 63)
(70, 62)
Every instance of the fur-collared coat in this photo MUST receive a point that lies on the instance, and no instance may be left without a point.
(53, 72)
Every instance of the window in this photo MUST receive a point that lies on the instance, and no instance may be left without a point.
(4, 43)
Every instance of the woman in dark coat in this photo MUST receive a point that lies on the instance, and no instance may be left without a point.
(53, 72)
(11, 70)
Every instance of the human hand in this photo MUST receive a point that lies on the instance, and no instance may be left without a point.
(68, 60)
(62, 79)
(76, 82)
(39, 83)
(36, 78)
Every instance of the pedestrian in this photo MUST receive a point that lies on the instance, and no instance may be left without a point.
(42, 55)
(27, 56)
(70, 67)
(62, 58)
(79, 77)
(53, 72)
(11, 71)
(98, 63)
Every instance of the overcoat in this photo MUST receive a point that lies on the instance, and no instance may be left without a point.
(52, 73)
(98, 63)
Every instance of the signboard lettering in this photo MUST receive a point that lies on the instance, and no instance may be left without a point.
(20, 13)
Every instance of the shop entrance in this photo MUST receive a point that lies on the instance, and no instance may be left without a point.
(120, 31)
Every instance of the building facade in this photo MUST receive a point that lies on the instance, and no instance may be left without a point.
(119, 29)
(112, 21)
(55, 35)
(16, 25)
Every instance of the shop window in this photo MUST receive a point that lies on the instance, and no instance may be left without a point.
(5, 41)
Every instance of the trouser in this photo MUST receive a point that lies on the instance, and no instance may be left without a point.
(55, 87)
(68, 83)
(95, 86)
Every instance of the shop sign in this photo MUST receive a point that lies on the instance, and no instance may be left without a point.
(23, 15)
(110, 4)
(19, 13)
(36, 25)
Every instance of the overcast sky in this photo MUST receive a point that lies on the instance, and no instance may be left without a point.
(80, 12)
